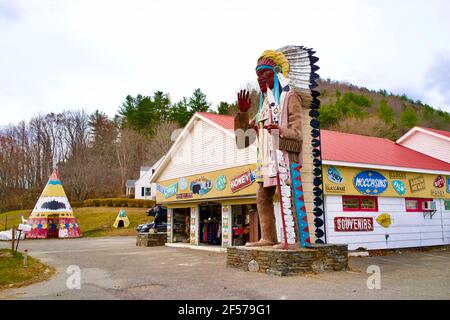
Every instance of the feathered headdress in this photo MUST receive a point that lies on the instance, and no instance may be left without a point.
(298, 65)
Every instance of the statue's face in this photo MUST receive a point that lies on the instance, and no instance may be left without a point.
(265, 79)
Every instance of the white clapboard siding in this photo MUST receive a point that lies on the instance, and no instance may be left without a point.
(204, 149)
(428, 144)
(408, 229)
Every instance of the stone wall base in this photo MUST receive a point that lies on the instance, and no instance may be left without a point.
(318, 258)
(151, 239)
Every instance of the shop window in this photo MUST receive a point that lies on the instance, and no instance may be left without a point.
(415, 204)
(355, 203)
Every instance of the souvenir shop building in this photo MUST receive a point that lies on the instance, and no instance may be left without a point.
(381, 194)
(377, 193)
(208, 186)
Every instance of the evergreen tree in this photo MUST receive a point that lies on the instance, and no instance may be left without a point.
(224, 108)
(180, 113)
(198, 102)
(385, 112)
(408, 118)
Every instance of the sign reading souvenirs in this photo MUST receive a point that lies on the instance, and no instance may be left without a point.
(399, 187)
(439, 182)
(334, 175)
(370, 183)
(349, 224)
(242, 181)
(417, 184)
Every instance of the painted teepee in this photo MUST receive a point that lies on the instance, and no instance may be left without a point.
(122, 220)
(52, 216)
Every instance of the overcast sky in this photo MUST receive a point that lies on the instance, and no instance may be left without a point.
(73, 54)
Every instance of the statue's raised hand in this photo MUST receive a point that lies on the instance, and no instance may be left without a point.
(244, 101)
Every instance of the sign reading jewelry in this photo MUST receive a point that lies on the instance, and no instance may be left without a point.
(370, 183)
(350, 224)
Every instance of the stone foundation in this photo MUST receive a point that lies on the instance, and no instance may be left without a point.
(318, 258)
(151, 239)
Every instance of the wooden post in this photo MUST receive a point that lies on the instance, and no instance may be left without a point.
(6, 222)
(13, 235)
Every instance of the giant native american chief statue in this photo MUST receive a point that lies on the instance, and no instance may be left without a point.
(288, 140)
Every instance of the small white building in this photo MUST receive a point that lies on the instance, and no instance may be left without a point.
(143, 188)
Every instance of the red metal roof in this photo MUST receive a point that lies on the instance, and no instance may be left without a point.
(224, 121)
(441, 132)
(345, 147)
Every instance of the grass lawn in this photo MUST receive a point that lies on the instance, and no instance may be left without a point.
(14, 274)
(93, 221)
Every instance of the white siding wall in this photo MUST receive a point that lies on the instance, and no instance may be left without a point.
(429, 145)
(206, 149)
(138, 191)
(408, 229)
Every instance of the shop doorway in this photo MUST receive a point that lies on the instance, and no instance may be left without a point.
(245, 226)
(181, 225)
(53, 225)
(210, 224)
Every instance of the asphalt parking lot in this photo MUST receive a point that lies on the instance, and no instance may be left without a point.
(114, 268)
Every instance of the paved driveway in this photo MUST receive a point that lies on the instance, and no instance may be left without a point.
(114, 268)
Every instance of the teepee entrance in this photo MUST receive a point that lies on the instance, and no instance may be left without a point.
(122, 220)
(53, 223)
(52, 216)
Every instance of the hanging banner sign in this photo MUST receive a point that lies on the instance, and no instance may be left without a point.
(349, 224)
(242, 181)
(370, 183)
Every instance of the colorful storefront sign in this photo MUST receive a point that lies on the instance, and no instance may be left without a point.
(448, 184)
(170, 190)
(242, 181)
(334, 175)
(221, 183)
(417, 184)
(439, 182)
(399, 187)
(384, 220)
(398, 184)
(182, 184)
(353, 224)
(370, 183)
(232, 182)
(201, 186)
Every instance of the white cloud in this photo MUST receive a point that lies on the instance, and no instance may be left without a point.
(90, 54)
